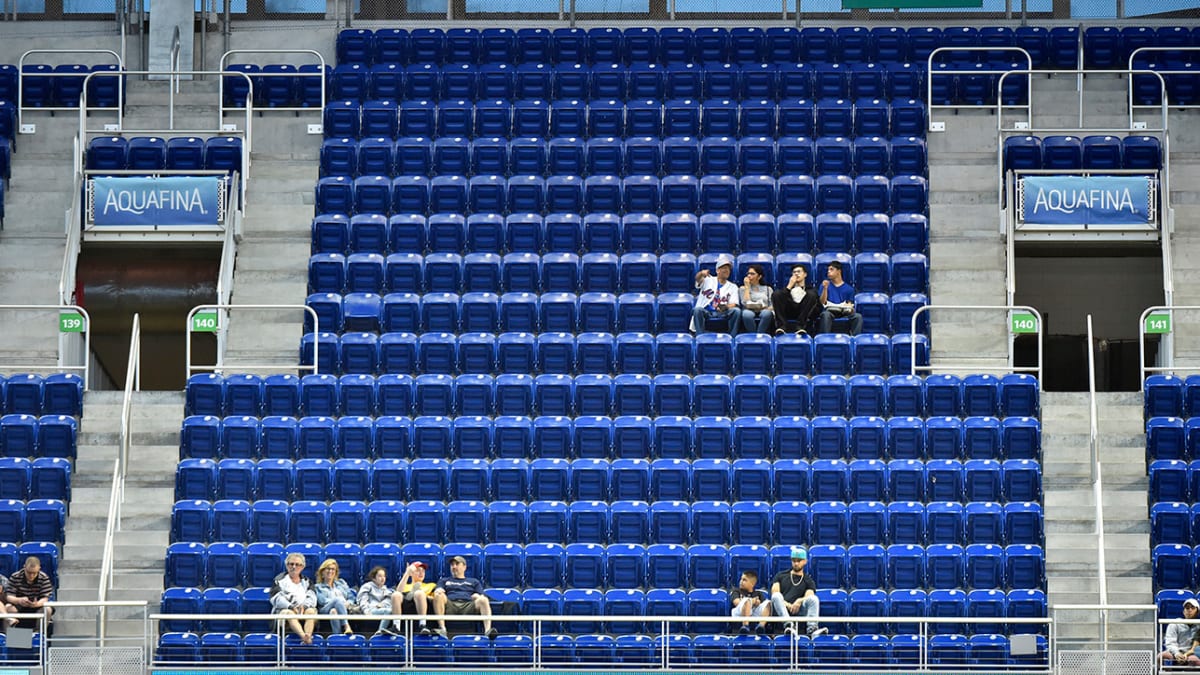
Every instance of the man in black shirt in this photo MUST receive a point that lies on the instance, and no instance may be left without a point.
(459, 594)
(794, 593)
(749, 601)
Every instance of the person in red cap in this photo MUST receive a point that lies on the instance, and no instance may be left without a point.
(413, 591)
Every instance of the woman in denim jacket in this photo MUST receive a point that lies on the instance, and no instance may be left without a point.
(334, 596)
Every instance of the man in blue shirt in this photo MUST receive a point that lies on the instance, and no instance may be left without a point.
(837, 297)
(459, 594)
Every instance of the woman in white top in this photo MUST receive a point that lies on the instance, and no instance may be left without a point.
(374, 597)
(757, 314)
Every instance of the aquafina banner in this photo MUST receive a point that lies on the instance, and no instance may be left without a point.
(161, 200)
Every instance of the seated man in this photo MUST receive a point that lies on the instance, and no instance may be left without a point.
(292, 596)
(794, 593)
(27, 592)
(413, 593)
(459, 594)
(796, 305)
(749, 601)
(837, 297)
(716, 298)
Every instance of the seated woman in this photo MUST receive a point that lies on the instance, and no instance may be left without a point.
(374, 597)
(292, 596)
(334, 596)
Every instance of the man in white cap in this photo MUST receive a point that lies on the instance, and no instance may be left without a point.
(716, 297)
(1179, 639)
(794, 593)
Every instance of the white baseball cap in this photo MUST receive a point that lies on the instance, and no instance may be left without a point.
(723, 260)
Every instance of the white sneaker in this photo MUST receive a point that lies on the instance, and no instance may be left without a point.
(814, 632)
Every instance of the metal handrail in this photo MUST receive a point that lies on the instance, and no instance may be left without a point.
(228, 258)
(120, 63)
(222, 326)
(66, 277)
(664, 630)
(1128, 72)
(321, 75)
(1010, 368)
(1097, 482)
(1133, 55)
(1166, 352)
(87, 338)
(930, 72)
(116, 496)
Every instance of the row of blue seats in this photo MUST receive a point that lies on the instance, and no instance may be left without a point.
(1172, 438)
(937, 396)
(587, 567)
(788, 234)
(13, 556)
(1055, 47)
(594, 522)
(1171, 395)
(152, 153)
(1070, 153)
(625, 649)
(749, 437)
(603, 272)
(529, 81)
(612, 194)
(591, 479)
(714, 154)
(561, 354)
(32, 394)
(611, 117)
(1174, 523)
(1174, 480)
(41, 478)
(945, 399)
(34, 520)
(5, 160)
(1176, 566)
(31, 436)
(1180, 75)
(44, 86)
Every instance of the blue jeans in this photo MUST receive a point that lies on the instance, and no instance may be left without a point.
(701, 316)
(809, 608)
(339, 605)
(855, 319)
(760, 322)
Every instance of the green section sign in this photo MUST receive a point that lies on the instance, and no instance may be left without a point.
(71, 322)
(1024, 322)
(204, 322)
(1158, 324)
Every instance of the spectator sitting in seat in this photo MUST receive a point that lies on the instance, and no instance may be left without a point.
(334, 596)
(749, 601)
(291, 596)
(459, 594)
(794, 593)
(797, 305)
(716, 297)
(757, 313)
(413, 591)
(1179, 643)
(837, 297)
(28, 591)
(374, 597)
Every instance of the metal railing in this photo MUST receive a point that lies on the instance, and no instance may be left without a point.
(930, 73)
(1160, 320)
(1194, 51)
(116, 497)
(298, 76)
(218, 129)
(66, 278)
(1097, 480)
(662, 629)
(62, 360)
(21, 75)
(1011, 366)
(220, 317)
(228, 257)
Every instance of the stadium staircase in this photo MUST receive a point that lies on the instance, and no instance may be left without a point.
(141, 543)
